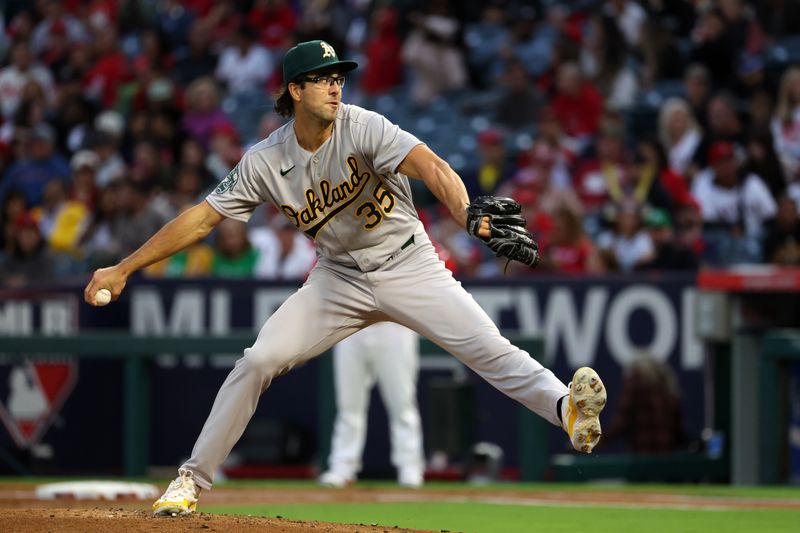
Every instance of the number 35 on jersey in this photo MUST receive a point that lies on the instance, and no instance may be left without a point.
(376, 208)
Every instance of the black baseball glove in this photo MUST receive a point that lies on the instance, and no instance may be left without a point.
(509, 237)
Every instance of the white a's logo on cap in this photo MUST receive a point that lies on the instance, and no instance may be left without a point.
(327, 50)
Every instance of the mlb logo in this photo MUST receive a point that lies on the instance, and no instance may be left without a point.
(31, 395)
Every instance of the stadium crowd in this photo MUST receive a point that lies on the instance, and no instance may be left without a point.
(637, 135)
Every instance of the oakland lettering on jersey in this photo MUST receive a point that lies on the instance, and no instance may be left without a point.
(332, 198)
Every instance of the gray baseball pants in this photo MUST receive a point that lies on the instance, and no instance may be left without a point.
(414, 289)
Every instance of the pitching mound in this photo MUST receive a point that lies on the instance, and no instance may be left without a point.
(115, 520)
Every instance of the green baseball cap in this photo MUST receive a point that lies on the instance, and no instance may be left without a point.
(310, 56)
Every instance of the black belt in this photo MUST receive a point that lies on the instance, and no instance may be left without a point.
(405, 245)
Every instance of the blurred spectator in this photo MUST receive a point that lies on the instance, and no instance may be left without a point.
(763, 162)
(786, 122)
(14, 133)
(734, 206)
(551, 130)
(485, 40)
(605, 58)
(99, 244)
(275, 20)
(432, 50)
(244, 66)
(724, 124)
(466, 253)
(234, 256)
(147, 169)
(185, 190)
(667, 25)
(29, 262)
(540, 222)
(593, 175)
(673, 184)
(109, 69)
(761, 108)
(137, 219)
(72, 122)
(84, 166)
(197, 60)
(577, 103)
(284, 252)
(61, 221)
(225, 150)
(669, 253)
(193, 156)
(712, 49)
(689, 229)
(782, 240)
(639, 182)
(173, 20)
(648, 414)
(55, 18)
(384, 68)
(155, 58)
(532, 39)
(13, 205)
(630, 18)
(111, 165)
(203, 113)
(680, 135)
(546, 174)
(21, 70)
(39, 164)
(697, 85)
(627, 245)
(519, 104)
(494, 164)
(569, 250)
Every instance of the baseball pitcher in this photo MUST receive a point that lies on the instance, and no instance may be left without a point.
(340, 174)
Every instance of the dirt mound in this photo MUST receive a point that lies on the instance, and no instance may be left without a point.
(140, 521)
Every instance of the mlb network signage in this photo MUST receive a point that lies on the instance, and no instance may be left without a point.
(583, 321)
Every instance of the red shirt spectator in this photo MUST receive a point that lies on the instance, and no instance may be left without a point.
(577, 103)
(384, 68)
(109, 71)
(273, 20)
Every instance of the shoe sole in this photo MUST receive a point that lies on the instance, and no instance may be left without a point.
(174, 509)
(588, 396)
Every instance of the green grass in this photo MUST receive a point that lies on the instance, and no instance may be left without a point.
(500, 518)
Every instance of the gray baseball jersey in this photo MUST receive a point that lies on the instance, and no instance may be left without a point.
(346, 196)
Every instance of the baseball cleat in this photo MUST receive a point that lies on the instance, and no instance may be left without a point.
(410, 478)
(581, 413)
(335, 480)
(180, 497)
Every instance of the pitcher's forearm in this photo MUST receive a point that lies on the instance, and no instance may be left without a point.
(448, 188)
(185, 229)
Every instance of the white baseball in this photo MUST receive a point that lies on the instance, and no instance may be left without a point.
(102, 297)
